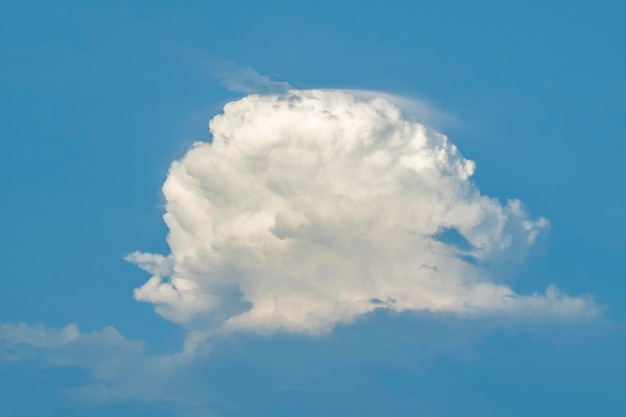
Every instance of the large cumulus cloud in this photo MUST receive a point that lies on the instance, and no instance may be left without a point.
(312, 208)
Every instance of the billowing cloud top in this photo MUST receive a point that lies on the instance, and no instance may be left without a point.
(311, 208)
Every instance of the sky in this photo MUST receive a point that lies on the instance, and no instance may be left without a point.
(312, 209)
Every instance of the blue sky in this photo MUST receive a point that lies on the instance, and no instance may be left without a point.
(97, 101)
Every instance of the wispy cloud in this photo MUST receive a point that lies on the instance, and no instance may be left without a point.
(244, 79)
(197, 383)
(119, 368)
(413, 109)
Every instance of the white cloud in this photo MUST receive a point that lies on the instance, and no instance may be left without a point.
(311, 208)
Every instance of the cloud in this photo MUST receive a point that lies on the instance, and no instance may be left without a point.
(244, 79)
(119, 369)
(316, 207)
(412, 108)
(105, 353)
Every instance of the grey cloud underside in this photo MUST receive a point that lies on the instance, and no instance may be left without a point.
(312, 208)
